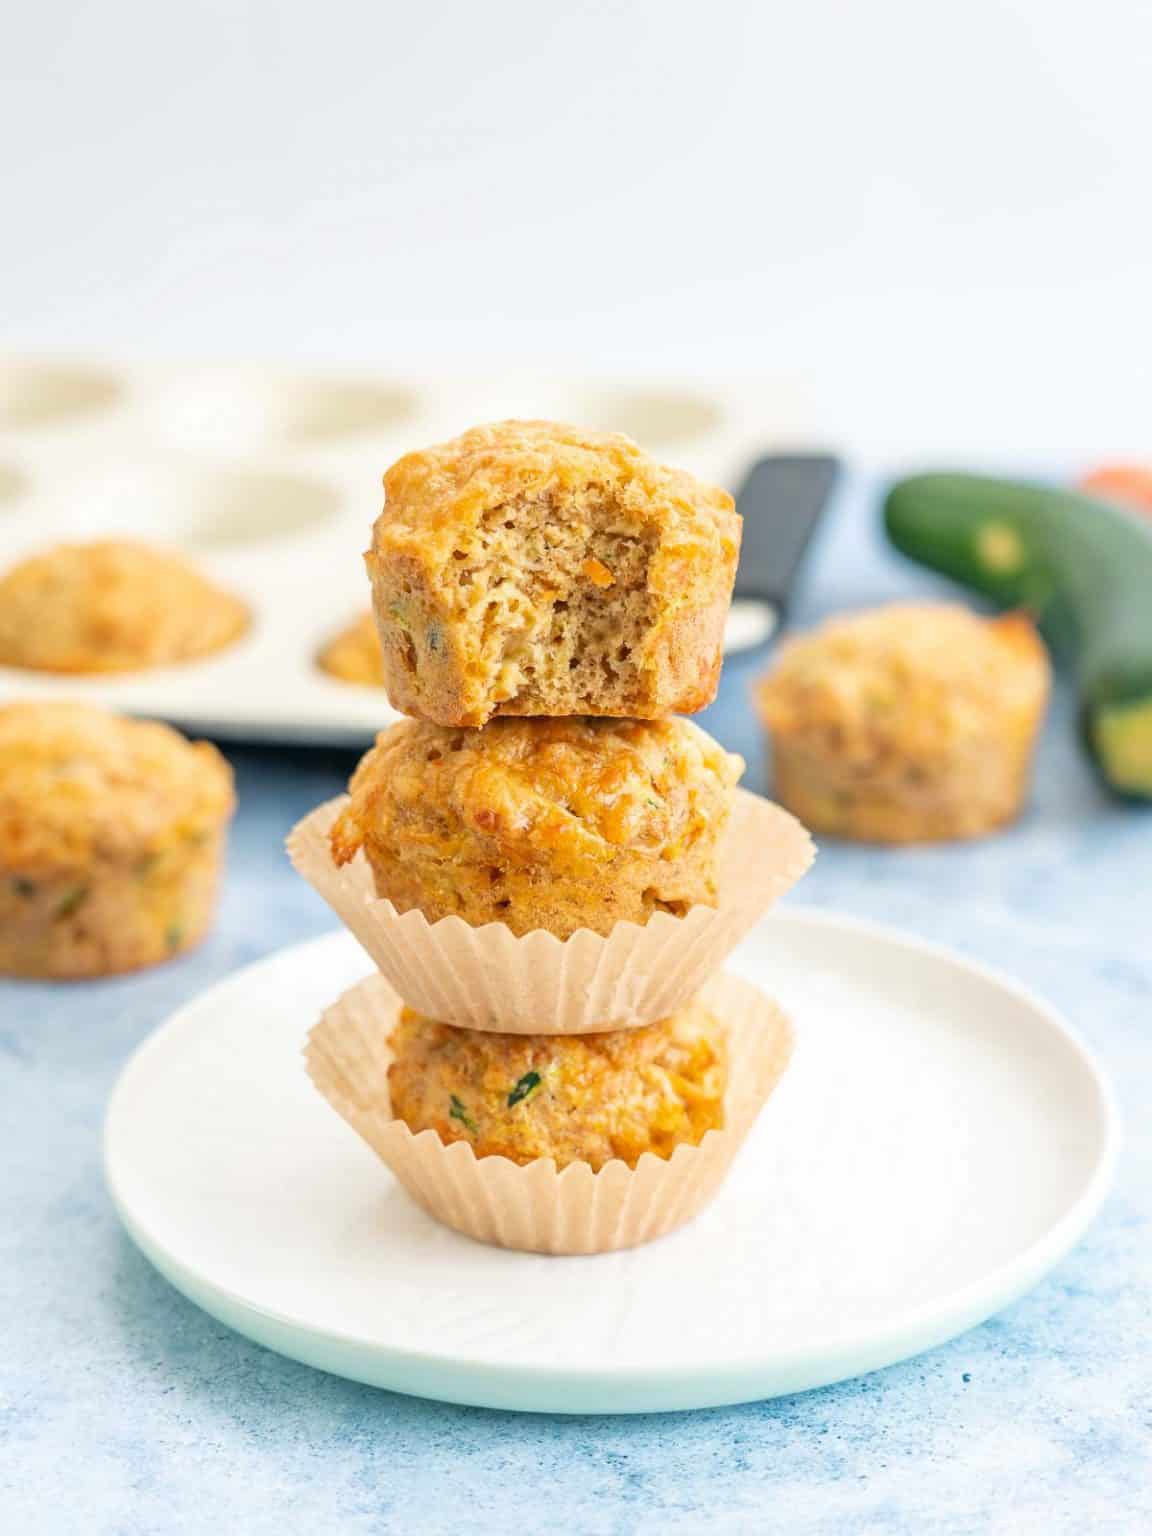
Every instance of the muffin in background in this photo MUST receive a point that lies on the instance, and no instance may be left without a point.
(910, 723)
(353, 654)
(112, 606)
(573, 1098)
(112, 834)
(530, 568)
(555, 824)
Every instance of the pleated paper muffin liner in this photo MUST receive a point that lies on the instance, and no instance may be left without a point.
(534, 1207)
(536, 984)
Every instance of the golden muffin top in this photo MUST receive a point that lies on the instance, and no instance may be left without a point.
(78, 783)
(585, 1098)
(354, 654)
(579, 791)
(912, 677)
(438, 493)
(111, 606)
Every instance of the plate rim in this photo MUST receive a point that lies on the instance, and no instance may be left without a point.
(936, 1320)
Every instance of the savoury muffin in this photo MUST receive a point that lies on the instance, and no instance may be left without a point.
(574, 1098)
(353, 654)
(555, 824)
(112, 607)
(911, 723)
(528, 568)
(111, 838)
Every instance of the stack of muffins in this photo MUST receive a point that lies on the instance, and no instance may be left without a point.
(547, 866)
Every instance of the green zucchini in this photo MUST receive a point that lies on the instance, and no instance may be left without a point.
(1082, 567)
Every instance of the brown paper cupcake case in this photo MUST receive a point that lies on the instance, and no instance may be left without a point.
(534, 1207)
(490, 978)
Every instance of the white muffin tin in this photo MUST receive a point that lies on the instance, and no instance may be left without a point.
(271, 481)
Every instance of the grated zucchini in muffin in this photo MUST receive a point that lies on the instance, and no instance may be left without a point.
(574, 1098)
(909, 723)
(556, 824)
(112, 835)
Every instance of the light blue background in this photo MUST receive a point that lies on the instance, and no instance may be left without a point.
(125, 1410)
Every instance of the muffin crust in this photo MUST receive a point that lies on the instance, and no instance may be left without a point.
(353, 654)
(530, 568)
(556, 824)
(112, 606)
(574, 1098)
(111, 837)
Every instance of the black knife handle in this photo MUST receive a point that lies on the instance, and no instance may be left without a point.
(781, 502)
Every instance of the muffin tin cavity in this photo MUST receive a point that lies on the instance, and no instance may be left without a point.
(195, 505)
(12, 486)
(657, 419)
(286, 412)
(49, 394)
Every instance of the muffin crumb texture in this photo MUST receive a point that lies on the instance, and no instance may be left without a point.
(112, 606)
(530, 568)
(556, 824)
(573, 1098)
(909, 723)
(112, 834)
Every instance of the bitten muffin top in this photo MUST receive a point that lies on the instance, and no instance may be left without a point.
(112, 606)
(78, 783)
(588, 1098)
(579, 791)
(915, 678)
(434, 495)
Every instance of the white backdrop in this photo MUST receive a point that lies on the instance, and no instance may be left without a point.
(935, 217)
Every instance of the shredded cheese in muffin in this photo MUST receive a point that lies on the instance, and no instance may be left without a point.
(588, 1098)
(532, 568)
(541, 823)
(911, 723)
(908, 680)
(111, 839)
(77, 783)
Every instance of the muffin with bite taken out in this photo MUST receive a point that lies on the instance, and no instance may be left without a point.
(531, 568)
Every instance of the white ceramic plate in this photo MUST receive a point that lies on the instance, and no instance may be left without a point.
(941, 1140)
(271, 481)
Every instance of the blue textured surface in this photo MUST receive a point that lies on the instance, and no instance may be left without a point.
(125, 1410)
